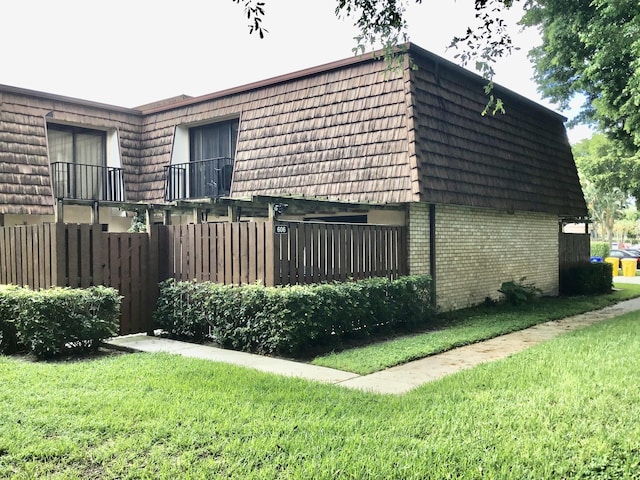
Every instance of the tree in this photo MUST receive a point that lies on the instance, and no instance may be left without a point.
(606, 166)
(591, 47)
(626, 227)
(605, 207)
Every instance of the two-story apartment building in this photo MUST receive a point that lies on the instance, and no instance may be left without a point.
(350, 140)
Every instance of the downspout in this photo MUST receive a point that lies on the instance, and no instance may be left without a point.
(432, 252)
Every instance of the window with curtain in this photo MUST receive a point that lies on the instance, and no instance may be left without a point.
(78, 158)
(212, 149)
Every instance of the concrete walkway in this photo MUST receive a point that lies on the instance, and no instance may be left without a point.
(395, 380)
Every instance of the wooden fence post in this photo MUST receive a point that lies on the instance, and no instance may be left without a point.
(271, 255)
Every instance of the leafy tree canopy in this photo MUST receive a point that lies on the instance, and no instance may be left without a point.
(591, 47)
(606, 166)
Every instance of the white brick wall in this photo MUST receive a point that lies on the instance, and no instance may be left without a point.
(418, 238)
(478, 249)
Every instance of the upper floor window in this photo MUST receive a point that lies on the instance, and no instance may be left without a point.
(202, 161)
(212, 149)
(216, 140)
(79, 164)
(77, 145)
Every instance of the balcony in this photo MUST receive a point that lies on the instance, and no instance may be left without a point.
(199, 179)
(87, 182)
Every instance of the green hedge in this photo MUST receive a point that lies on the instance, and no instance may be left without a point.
(53, 321)
(586, 279)
(9, 310)
(600, 249)
(292, 320)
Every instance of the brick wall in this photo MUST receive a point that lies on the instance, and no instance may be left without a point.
(478, 249)
(418, 238)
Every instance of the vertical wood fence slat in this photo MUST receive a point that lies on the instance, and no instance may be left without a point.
(136, 279)
(4, 257)
(171, 252)
(84, 256)
(244, 252)
(331, 252)
(221, 250)
(184, 250)
(27, 256)
(47, 246)
(343, 244)
(36, 260)
(191, 249)
(204, 271)
(271, 255)
(213, 252)
(298, 253)
(11, 257)
(320, 235)
(252, 252)
(60, 258)
(235, 253)
(17, 242)
(228, 253)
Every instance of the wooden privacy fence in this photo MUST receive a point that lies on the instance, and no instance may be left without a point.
(573, 248)
(318, 252)
(229, 253)
(281, 253)
(70, 255)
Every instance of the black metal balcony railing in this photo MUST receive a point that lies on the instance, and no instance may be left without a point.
(200, 179)
(87, 182)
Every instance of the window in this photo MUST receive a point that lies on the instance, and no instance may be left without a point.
(78, 161)
(217, 140)
(212, 149)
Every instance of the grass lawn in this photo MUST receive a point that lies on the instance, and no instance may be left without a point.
(466, 327)
(568, 408)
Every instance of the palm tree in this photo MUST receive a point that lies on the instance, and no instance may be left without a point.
(605, 207)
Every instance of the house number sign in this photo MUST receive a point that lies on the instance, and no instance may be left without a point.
(282, 229)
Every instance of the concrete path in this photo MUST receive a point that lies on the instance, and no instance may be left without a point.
(395, 380)
(145, 343)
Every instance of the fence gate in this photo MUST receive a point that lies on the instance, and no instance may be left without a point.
(573, 248)
(85, 255)
(78, 256)
(127, 267)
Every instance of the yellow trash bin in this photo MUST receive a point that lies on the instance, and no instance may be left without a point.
(629, 266)
(616, 264)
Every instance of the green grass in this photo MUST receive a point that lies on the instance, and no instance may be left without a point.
(466, 327)
(567, 408)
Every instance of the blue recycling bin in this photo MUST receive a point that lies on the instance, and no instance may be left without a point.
(596, 260)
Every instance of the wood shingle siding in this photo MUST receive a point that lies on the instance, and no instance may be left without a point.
(25, 186)
(518, 161)
(349, 131)
(345, 139)
(340, 134)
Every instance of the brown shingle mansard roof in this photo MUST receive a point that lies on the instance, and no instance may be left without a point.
(349, 130)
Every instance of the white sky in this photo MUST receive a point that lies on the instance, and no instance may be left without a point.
(132, 52)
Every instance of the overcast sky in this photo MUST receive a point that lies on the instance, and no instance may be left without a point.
(132, 52)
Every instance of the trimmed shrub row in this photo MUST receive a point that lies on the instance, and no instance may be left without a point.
(586, 279)
(292, 320)
(50, 322)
